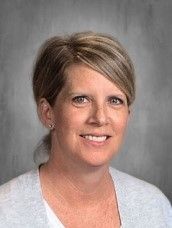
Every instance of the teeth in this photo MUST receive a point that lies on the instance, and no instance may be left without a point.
(95, 138)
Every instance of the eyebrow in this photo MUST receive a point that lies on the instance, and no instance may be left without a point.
(87, 94)
(78, 93)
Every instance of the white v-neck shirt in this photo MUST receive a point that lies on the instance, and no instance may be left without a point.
(53, 220)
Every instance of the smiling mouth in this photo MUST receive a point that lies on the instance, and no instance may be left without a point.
(96, 138)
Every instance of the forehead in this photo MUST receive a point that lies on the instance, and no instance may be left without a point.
(82, 77)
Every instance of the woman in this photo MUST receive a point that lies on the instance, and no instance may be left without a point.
(83, 86)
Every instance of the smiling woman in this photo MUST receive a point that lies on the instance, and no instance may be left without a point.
(83, 86)
(91, 124)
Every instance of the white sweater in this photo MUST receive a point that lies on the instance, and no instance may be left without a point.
(141, 205)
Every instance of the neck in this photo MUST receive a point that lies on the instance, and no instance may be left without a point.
(76, 184)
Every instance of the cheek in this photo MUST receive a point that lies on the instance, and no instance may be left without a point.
(69, 119)
(120, 122)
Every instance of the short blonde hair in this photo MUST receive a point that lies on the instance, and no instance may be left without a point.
(101, 52)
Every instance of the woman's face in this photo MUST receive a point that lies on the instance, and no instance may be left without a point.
(90, 116)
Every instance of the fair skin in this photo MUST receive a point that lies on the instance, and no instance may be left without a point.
(90, 116)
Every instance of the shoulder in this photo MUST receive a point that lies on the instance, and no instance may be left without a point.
(136, 188)
(17, 186)
(19, 198)
(141, 197)
(136, 185)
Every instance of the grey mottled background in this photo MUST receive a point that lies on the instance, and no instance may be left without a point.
(144, 28)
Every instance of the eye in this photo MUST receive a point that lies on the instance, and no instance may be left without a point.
(79, 100)
(116, 101)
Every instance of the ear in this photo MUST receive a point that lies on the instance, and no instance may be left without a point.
(45, 112)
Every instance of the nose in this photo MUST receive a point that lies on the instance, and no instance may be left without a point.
(98, 115)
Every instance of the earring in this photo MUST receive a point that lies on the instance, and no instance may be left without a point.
(51, 126)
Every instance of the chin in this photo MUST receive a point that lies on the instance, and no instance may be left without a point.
(95, 159)
(98, 153)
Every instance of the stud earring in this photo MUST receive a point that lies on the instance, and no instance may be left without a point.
(51, 126)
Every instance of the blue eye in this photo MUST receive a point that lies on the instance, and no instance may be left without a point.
(80, 99)
(115, 101)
